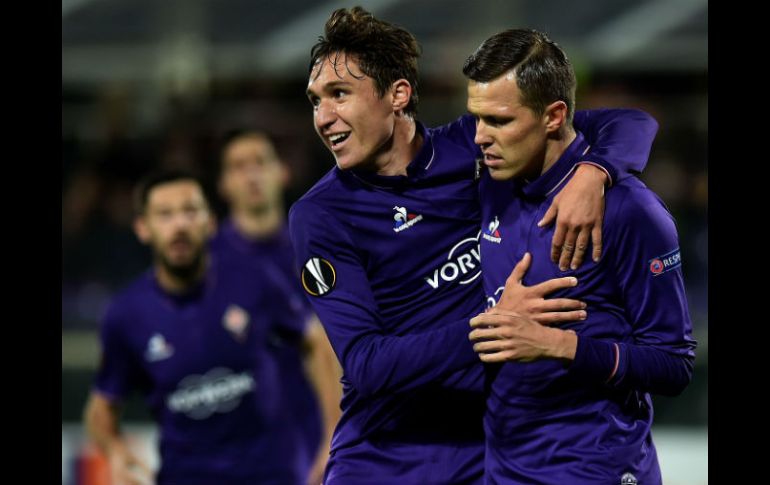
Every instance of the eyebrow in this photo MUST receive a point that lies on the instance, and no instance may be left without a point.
(330, 86)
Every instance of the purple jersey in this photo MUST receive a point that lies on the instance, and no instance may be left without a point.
(392, 265)
(202, 363)
(588, 422)
(287, 347)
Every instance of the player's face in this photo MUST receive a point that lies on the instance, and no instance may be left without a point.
(252, 174)
(178, 224)
(511, 135)
(353, 121)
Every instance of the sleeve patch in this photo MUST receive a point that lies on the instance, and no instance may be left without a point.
(666, 262)
(318, 277)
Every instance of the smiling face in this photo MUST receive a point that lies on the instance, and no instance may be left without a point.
(512, 136)
(352, 119)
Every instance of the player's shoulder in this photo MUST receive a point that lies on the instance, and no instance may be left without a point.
(458, 134)
(135, 294)
(631, 203)
(326, 187)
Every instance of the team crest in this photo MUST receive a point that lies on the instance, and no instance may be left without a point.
(318, 276)
(236, 321)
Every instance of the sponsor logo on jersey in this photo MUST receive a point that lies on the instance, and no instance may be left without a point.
(667, 262)
(158, 349)
(219, 390)
(493, 299)
(492, 234)
(236, 321)
(403, 219)
(463, 263)
(318, 276)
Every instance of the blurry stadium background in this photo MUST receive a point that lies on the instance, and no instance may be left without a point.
(147, 84)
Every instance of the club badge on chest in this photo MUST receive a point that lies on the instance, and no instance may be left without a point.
(236, 320)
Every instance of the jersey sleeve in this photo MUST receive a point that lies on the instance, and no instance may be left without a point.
(118, 374)
(334, 278)
(620, 139)
(291, 314)
(647, 266)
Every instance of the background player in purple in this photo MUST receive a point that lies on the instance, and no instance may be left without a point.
(252, 178)
(388, 247)
(191, 334)
(581, 413)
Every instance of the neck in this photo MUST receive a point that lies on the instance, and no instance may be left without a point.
(556, 145)
(179, 282)
(258, 224)
(404, 146)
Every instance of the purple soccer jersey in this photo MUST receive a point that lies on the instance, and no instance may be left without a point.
(286, 347)
(202, 363)
(587, 422)
(392, 267)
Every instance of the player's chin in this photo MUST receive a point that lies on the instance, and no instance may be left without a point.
(501, 173)
(183, 260)
(345, 163)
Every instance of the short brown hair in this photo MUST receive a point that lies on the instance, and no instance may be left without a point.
(384, 52)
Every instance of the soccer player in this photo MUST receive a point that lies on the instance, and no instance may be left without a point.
(252, 179)
(192, 335)
(387, 243)
(569, 404)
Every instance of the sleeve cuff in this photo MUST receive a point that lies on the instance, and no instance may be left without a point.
(596, 361)
(601, 165)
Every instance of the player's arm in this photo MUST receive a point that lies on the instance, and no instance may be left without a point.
(620, 142)
(102, 422)
(339, 291)
(101, 417)
(659, 357)
(324, 374)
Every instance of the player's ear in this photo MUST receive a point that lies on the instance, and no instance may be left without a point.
(401, 91)
(555, 116)
(141, 230)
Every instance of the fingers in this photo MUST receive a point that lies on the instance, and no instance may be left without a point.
(141, 467)
(489, 319)
(520, 269)
(596, 242)
(137, 472)
(561, 305)
(549, 286)
(502, 356)
(557, 242)
(491, 346)
(549, 216)
(553, 318)
(568, 248)
(581, 245)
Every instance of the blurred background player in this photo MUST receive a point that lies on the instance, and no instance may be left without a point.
(252, 179)
(192, 335)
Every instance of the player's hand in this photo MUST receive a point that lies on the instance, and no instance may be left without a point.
(127, 469)
(529, 301)
(578, 210)
(502, 337)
